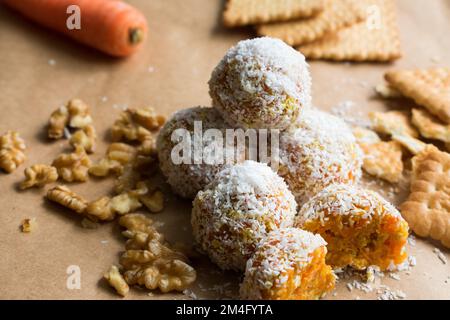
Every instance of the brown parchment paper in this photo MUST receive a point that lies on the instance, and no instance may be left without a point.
(40, 71)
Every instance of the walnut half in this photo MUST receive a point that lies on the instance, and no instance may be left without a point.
(73, 166)
(151, 262)
(12, 149)
(116, 280)
(38, 175)
(67, 198)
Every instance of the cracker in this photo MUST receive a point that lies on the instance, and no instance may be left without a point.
(415, 146)
(383, 160)
(245, 12)
(427, 209)
(366, 136)
(364, 41)
(430, 127)
(386, 91)
(393, 123)
(337, 14)
(429, 88)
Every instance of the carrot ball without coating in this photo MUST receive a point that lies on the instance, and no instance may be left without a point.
(237, 210)
(288, 265)
(320, 150)
(360, 227)
(186, 179)
(261, 83)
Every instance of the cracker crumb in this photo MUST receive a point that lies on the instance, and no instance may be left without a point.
(440, 255)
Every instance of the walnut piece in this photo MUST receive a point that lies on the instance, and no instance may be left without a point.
(147, 118)
(127, 180)
(58, 121)
(67, 198)
(86, 138)
(12, 149)
(28, 225)
(154, 272)
(38, 175)
(117, 156)
(116, 280)
(149, 261)
(100, 209)
(151, 197)
(73, 166)
(79, 114)
(136, 124)
(125, 203)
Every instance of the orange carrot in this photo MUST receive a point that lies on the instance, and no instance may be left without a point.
(111, 26)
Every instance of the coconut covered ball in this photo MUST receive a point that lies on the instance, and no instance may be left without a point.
(237, 210)
(261, 83)
(187, 178)
(288, 265)
(320, 150)
(361, 228)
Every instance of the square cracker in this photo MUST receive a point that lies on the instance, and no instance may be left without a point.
(337, 14)
(245, 12)
(429, 88)
(375, 39)
(427, 210)
(430, 127)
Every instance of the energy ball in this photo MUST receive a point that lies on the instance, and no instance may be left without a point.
(187, 178)
(237, 210)
(261, 83)
(288, 265)
(361, 228)
(320, 150)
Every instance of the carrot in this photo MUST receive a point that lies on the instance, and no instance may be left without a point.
(111, 26)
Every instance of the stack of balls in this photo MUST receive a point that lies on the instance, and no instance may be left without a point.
(245, 214)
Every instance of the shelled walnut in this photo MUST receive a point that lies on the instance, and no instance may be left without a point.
(117, 156)
(136, 124)
(67, 198)
(85, 138)
(12, 148)
(59, 119)
(150, 196)
(116, 280)
(28, 225)
(73, 166)
(149, 261)
(38, 175)
(100, 209)
(79, 114)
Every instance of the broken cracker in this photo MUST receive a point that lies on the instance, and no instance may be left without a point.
(246, 12)
(364, 135)
(337, 14)
(387, 91)
(375, 39)
(430, 127)
(414, 145)
(393, 122)
(383, 160)
(429, 88)
(427, 210)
